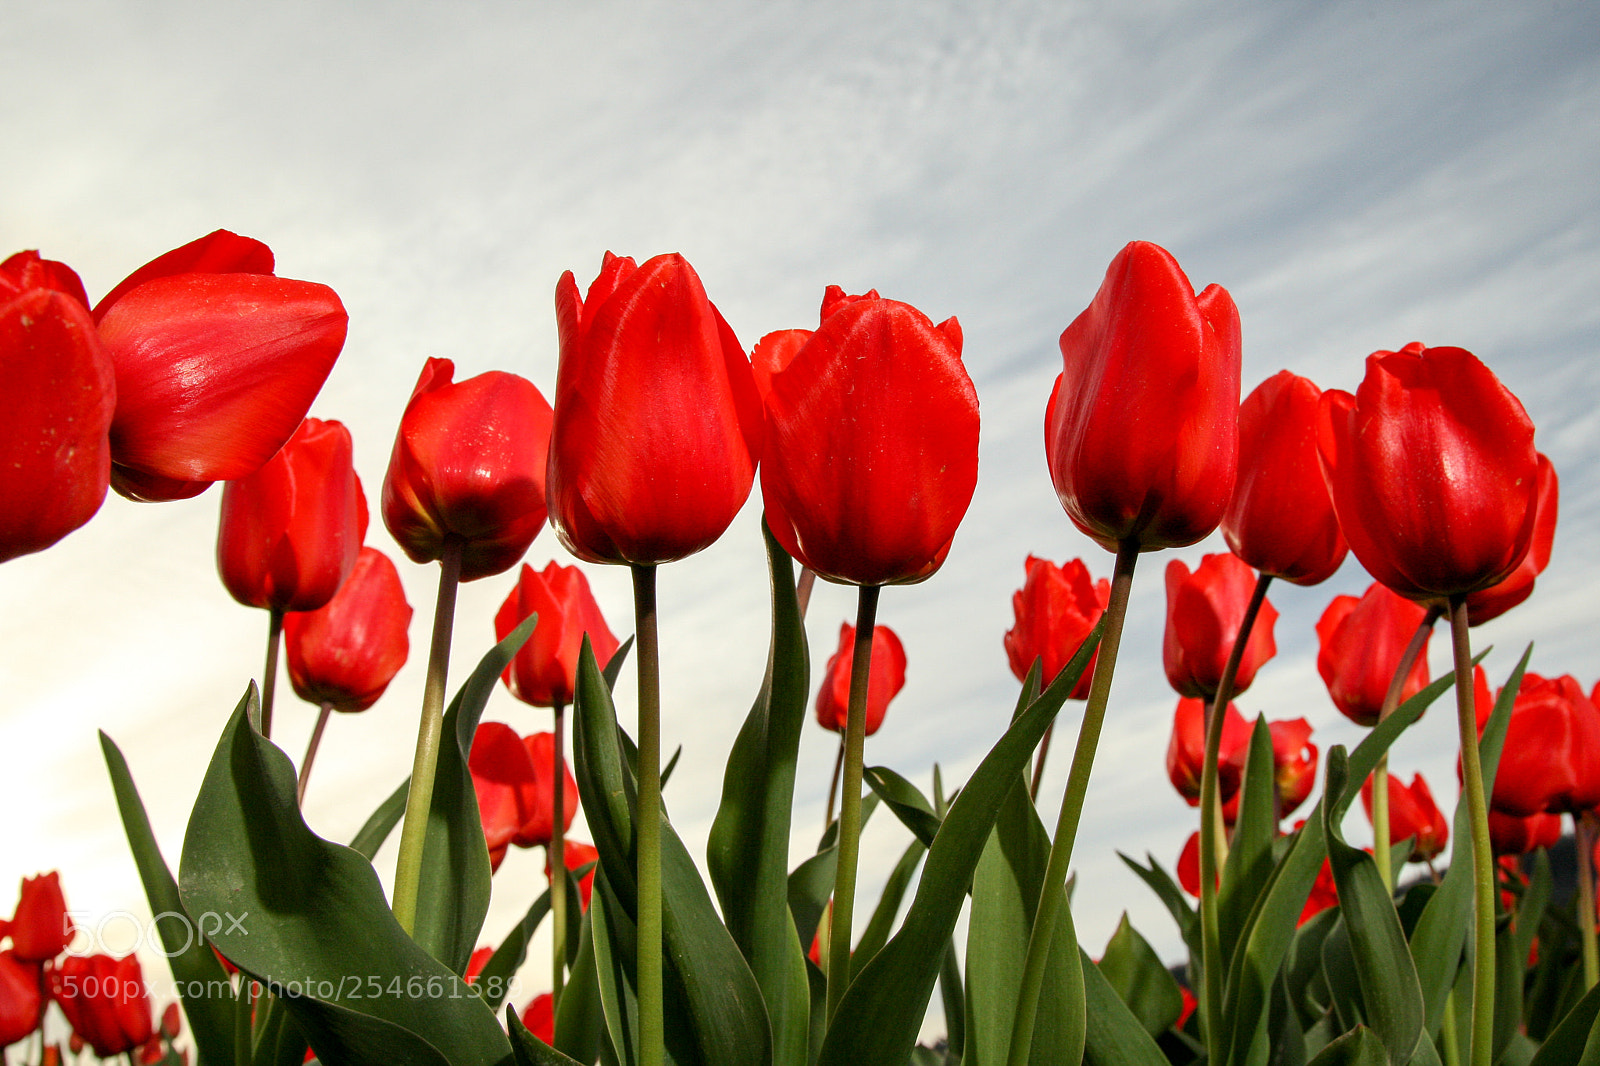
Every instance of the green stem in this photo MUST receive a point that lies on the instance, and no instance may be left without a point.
(1212, 842)
(1053, 892)
(558, 861)
(1583, 836)
(311, 752)
(833, 786)
(647, 820)
(419, 798)
(1380, 776)
(1483, 890)
(855, 736)
(1447, 1031)
(269, 673)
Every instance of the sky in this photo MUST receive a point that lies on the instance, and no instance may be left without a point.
(1358, 175)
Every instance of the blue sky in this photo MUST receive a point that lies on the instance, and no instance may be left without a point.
(1358, 175)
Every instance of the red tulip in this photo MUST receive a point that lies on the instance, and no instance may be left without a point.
(1551, 759)
(658, 424)
(171, 1021)
(105, 1001)
(1510, 835)
(1494, 601)
(21, 998)
(217, 361)
(1432, 471)
(26, 270)
(1204, 612)
(1324, 894)
(539, 1017)
(41, 929)
(872, 443)
(291, 531)
(346, 652)
(773, 353)
(1361, 644)
(55, 455)
(1189, 866)
(476, 962)
(578, 855)
(469, 462)
(1056, 608)
(1280, 519)
(1412, 814)
(511, 777)
(887, 678)
(1187, 748)
(1294, 766)
(544, 672)
(1142, 428)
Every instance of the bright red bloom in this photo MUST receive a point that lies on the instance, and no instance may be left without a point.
(1324, 894)
(1189, 1005)
(887, 678)
(1189, 865)
(1280, 519)
(1551, 759)
(1432, 471)
(1412, 813)
(1294, 766)
(578, 855)
(658, 424)
(55, 455)
(105, 1000)
(346, 652)
(26, 270)
(217, 361)
(1142, 429)
(1510, 835)
(469, 462)
(1186, 750)
(171, 1021)
(1056, 608)
(476, 962)
(291, 531)
(1204, 612)
(1494, 601)
(1361, 643)
(21, 997)
(40, 929)
(872, 443)
(539, 1017)
(511, 777)
(544, 672)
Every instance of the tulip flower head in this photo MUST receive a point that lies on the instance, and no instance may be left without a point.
(1510, 835)
(887, 678)
(1187, 746)
(1488, 604)
(469, 463)
(511, 778)
(1280, 519)
(22, 999)
(105, 1001)
(1055, 609)
(1432, 471)
(872, 443)
(1361, 642)
(658, 424)
(1551, 759)
(545, 669)
(1412, 815)
(1204, 612)
(346, 652)
(1142, 429)
(41, 928)
(578, 855)
(539, 1017)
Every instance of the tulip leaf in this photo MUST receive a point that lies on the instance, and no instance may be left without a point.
(714, 1011)
(278, 1040)
(1384, 967)
(453, 884)
(811, 883)
(1249, 862)
(876, 934)
(580, 1019)
(1136, 973)
(1114, 1036)
(876, 1023)
(613, 937)
(1175, 899)
(905, 800)
(1576, 1039)
(529, 1049)
(494, 980)
(308, 918)
(382, 822)
(747, 852)
(953, 998)
(1358, 1047)
(193, 964)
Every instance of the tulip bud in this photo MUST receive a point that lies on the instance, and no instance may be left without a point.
(469, 462)
(1055, 609)
(1412, 814)
(105, 1000)
(511, 777)
(539, 1017)
(1361, 642)
(40, 929)
(545, 669)
(346, 652)
(1204, 612)
(1510, 835)
(887, 678)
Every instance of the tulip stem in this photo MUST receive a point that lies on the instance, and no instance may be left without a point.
(1483, 896)
(855, 737)
(311, 752)
(1038, 766)
(1380, 775)
(1053, 892)
(647, 820)
(1583, 836)
(1213, 843)
(833, 786)
(269, 673)
(419, 798)
(803, 587)
(558, 859)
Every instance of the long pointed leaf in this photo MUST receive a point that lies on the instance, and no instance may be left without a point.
(905, 800)
(370, 837)
(876, 934)
(1114, 1037)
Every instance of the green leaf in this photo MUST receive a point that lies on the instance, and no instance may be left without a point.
(613, 935)
(529, 1049)
(314, 925)
(953, 1000)
(714, 1010)
(811, 883)
(1384, 967)
(905, 800)
(1249, 864)
(580, 1019)
(1114, 1037)
(747, 852)
(494, 980)
(877, 1021)
(1576, 1040)
(193, 965)
(1138, 976)
(876, 934)
(453, 883)
(1359, 1047)
(1176, 900)
(378, 827)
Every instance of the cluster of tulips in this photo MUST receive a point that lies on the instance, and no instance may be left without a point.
(201, 367)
